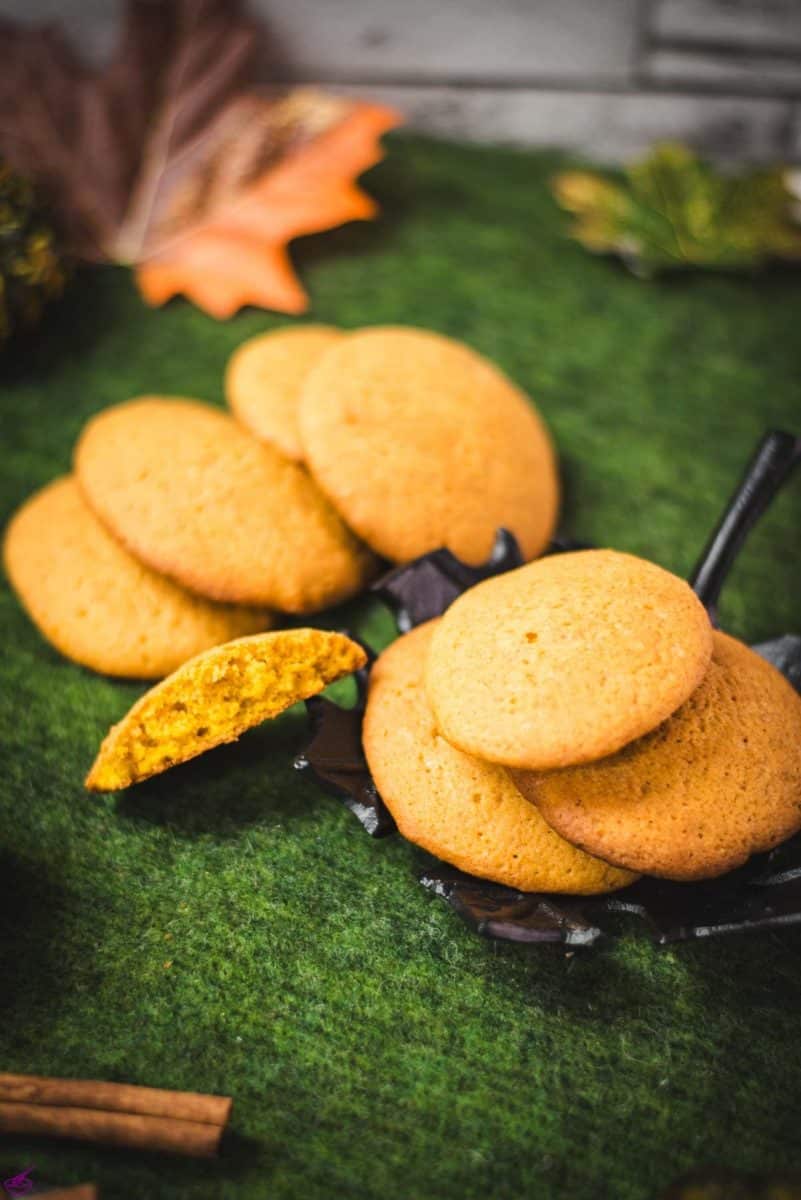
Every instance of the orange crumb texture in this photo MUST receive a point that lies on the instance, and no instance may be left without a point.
(217, 696)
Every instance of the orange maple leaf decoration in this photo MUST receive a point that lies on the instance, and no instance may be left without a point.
(168, 160)
(236, 254)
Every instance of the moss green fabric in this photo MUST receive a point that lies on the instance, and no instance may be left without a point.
(229, 928)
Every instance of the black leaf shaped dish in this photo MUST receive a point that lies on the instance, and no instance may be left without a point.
(335, 758)
(764, 894)
(424, 588)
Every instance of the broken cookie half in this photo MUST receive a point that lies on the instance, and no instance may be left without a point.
(218, 695)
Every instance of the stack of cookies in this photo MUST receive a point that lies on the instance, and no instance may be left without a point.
(416, 440)
(183, 527)
(576, 722)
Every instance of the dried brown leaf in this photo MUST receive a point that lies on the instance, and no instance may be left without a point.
(163, 160)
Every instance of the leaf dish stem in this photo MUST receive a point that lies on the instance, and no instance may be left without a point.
(775, 459)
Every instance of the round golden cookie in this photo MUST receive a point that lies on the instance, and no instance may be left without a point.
(566, 659)
(264, 378)
(198, 499)
(419, 442)
(461, 809)
(97, 604)
(717, 782)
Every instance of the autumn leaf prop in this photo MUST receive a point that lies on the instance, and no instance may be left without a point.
(223, 235)
(674, 210)
(166, 160)
(103, 143)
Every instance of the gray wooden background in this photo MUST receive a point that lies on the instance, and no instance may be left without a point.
(605, 77)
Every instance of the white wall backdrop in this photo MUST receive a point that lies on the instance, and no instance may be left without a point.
(606, 77)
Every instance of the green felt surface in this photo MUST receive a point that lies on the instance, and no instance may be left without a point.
(229, 928)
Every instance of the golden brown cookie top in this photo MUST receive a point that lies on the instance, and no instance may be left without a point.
(197, 498)
(717, 782)
(215, 697)
(97, 604)
(459, 808)
(420, 442)
(264, 378)
(566, 659)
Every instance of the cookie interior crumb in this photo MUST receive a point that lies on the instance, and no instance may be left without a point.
(218, 695)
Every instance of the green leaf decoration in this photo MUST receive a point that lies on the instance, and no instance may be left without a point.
(673, 210)
(33, 270)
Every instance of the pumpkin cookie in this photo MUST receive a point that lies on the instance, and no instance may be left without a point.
(567, 659)
(717, 782)
(264, 377)
(419, 442)
(196, 498)
(464, 811)
(97, 604)
(216, 697)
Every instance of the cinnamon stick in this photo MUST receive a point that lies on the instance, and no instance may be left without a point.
(118, 1114)
(114, 1128)
(115, 1097)
(83, 1191)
